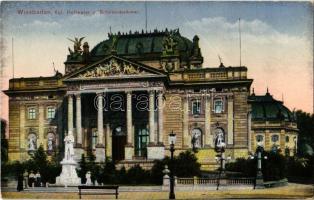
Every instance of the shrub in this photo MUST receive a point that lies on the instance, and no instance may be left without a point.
(274, 168)
(156, 171)
(247, 167)
(122, 176)
(300, 168)
(186, 165)
(137, 175)
(82, 170)
(108, 173)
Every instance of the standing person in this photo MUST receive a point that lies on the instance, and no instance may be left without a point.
(37, 179)
(19, 171)
(31, 179)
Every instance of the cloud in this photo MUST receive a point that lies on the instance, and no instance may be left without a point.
(279, 60)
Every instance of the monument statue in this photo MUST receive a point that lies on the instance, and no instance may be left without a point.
(32, 142)
(220, 141)
(68, 176)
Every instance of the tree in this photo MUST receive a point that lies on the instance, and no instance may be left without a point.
(305, 123)
(82, 170)
(186, 165)
(4, 142)
(40, 160)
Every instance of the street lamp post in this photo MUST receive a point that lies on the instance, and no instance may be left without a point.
(259, 182)
(172, 141)
(220, 148)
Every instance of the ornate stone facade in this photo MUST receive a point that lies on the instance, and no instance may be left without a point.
(123, 98)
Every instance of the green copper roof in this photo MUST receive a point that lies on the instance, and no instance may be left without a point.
(267, 108)
(141, 43)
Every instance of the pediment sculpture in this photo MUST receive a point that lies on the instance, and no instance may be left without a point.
(112, 68)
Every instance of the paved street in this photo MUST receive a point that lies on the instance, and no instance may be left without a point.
(292, 191)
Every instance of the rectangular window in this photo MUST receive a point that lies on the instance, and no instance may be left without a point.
(218, 106)
(51, 111)
(31, 113)
(196, 107)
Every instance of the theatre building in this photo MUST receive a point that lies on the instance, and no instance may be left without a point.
(122, 99)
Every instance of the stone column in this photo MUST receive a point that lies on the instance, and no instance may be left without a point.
(160, 118)
(70, 114)
(78, 150)
(100, 119)
(100, 148)
(23, 137)
(208, 136)
(108, 141)
(186, 138)
(41, 121)
(79, 141)
(154, 151)
(152, 117)
(230, 120)
(250, 131)
(129, 148)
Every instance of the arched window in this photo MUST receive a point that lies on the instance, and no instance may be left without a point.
(274, 138)
(259, 138)
(32, 142)
(287, 139)
(196, 140)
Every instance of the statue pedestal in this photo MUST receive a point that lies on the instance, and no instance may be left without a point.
(68, 176)
(155, 152)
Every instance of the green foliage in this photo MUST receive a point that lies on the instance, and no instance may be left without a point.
(247, 167)
(305, 123)
(122, 176)
(156, 171)
(109, 172)
(186, 165)
(274, 168)
(4, 142)
(48, 170)
(137, 175)
(82, 170)
(301, 167)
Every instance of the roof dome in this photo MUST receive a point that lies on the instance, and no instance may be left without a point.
(267, 108)
(128, 44)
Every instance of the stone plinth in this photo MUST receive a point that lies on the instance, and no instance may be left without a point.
(68, 176)
(100, 154)
(155, 152)
(128, 152)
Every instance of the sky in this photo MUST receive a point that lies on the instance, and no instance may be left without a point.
(276, 38)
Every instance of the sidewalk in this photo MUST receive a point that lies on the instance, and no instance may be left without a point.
(295, 191)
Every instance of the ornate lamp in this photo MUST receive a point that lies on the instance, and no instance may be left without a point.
(172, 138)
(172, 141)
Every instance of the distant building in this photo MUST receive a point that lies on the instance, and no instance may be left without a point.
(147, 84)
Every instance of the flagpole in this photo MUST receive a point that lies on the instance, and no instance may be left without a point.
(240, 41)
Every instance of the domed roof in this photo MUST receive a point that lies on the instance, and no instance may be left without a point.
(267, 108)
(141, 43)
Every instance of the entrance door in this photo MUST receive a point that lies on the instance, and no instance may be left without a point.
(141, 141)
(118, 143)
